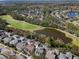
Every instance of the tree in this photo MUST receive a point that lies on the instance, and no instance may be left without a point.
(72, 27)
(18, 16)
(51, 42)
(77, 33)
(48, 21)
(56, 43)
(3, 24)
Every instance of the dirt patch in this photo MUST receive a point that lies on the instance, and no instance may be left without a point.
(17, 31)
(49, 32)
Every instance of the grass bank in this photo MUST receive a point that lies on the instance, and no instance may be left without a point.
(20, 24)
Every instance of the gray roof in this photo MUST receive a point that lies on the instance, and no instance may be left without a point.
(62, 56)
(76, 57)
(2, 57)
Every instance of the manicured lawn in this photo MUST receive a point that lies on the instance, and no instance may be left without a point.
(20, 24)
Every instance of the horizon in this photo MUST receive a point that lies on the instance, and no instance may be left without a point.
(40, 1)
(32, 0)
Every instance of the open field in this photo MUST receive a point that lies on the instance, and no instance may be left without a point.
(75, 40)
(20, 24)
(31, 27)
(57, 33)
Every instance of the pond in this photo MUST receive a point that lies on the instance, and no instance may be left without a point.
(72, 14)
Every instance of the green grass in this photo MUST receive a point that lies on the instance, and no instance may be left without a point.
(20, 24)
(31, 27)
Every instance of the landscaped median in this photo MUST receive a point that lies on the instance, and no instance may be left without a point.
(20, 24)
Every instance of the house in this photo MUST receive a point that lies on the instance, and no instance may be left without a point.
(20, 57)
(7, 39)
(29, 57)
(7, 33)
(21, 38)
(1, 32)
(29, 48)
(8, 53)
(3, 50)
(12, 55)
(13, 42)
(39, 51)
(62, 56)
(36, 44)
(76, 57)
(20, 46)
(15, 36)
(30, 41)
(69, 55)
(3, 35)
(2, 57)
(56, 51)
(50, 54)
